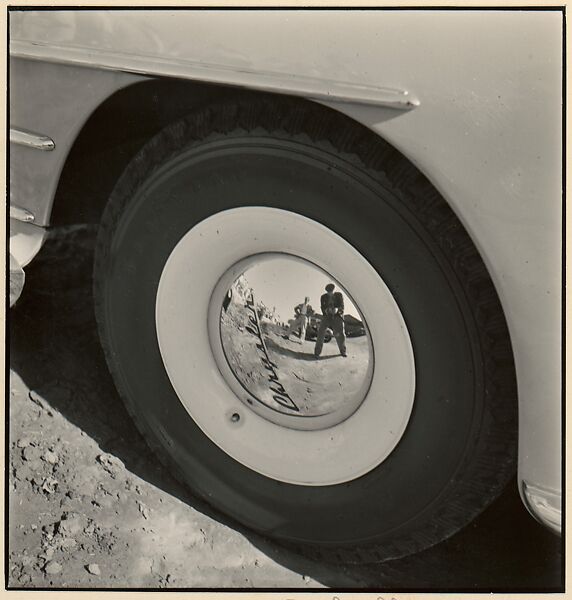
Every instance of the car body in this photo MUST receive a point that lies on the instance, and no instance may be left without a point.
(472, 98)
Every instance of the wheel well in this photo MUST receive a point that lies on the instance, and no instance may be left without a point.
(112, 136)
(125, 121)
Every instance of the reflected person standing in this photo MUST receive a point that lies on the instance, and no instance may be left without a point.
(332, 305)
(301, 314)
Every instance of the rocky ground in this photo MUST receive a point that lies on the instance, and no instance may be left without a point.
(79, 517)
(89, 506)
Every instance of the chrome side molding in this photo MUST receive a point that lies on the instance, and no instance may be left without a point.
(317, 88)
(37, 141)
(21, 214)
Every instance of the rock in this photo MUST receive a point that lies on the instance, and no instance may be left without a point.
(33, 527)
(90, 529)
(110, 463)
(144, 510)
(37, 399)
(50, 457)
(31, 453)
(46, 484)
(27, 561)
(48, 554)
(23, 443)
(130, 485)
(71, 524)
(66, 503)
(68, 543)
(49, 485)
(93, 568)
(52, 567)
(103, 498)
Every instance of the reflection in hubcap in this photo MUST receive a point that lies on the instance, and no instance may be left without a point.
(294, 341)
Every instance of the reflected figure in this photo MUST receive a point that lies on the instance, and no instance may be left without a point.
(302, 314)
(332, 305)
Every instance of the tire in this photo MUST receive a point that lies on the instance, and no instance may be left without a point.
(458, 448)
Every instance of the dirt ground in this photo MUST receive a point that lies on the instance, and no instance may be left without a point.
(90, 506)
(81, 517)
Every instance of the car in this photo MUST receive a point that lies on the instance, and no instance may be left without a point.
(414, 156)
(353, 328)
(312, 329)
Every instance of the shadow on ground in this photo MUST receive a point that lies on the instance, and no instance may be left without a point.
(272, 345)
(54, 347)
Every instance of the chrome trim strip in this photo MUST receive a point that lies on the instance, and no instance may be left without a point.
(285, 83)
(21, 214)
(31, 139)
